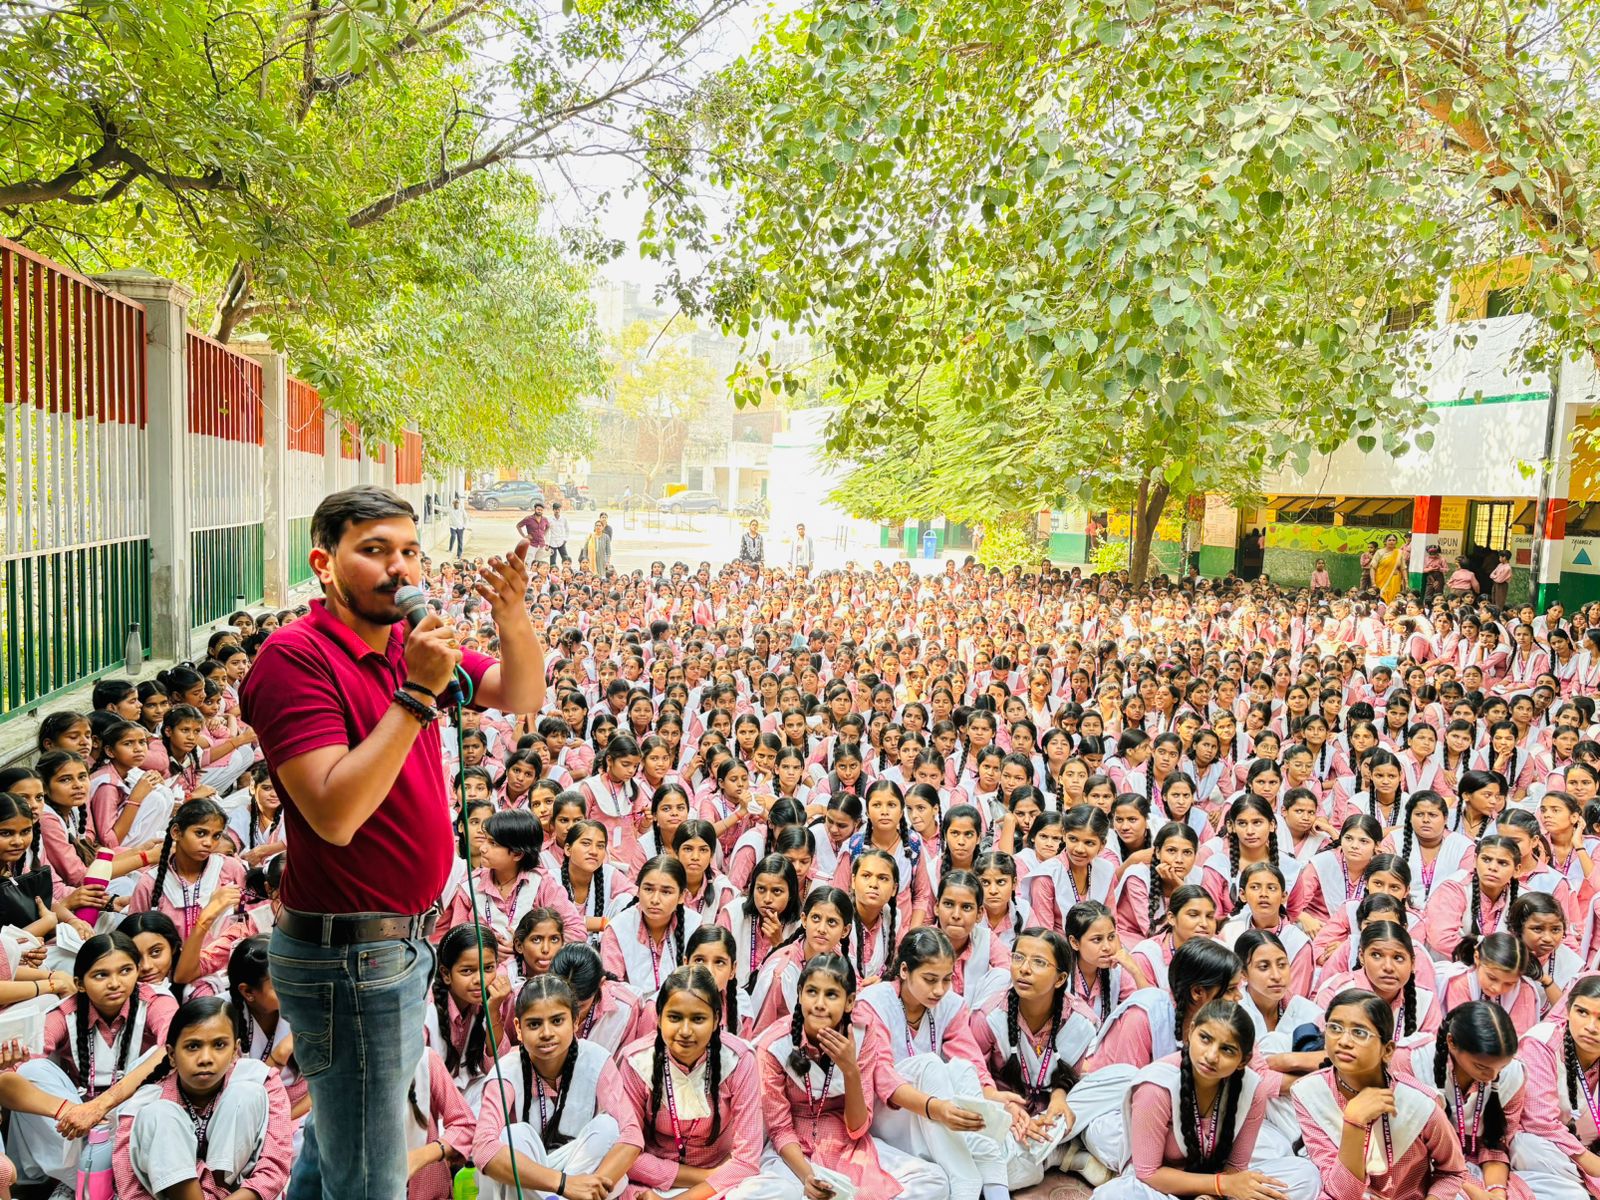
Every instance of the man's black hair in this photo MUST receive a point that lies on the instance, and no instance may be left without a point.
(354, 506)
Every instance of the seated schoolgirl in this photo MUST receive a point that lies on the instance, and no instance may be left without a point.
(1191, 913)
(1384, 875)
(1539, 923)
(645, 941)
(824, 1077)
(1472, 1069)
(706, 890)
(874, 884)
(610, 1013)
(1277, 1012)
(827, 918)
(1369, 1132)
(1433, 852)
(1378, 906)
(669, 809)
(159, 946)
(467, 1035)
(572, 1131)
(1477, 902)
(534, 943)
(190, 870)
(1389, 970)
(933, 1049)
(764, 919)
(511, 881)
(258, 826)
(695, 1095)
(712, 947)
(957, 844)
(1264, 905)
(1251, 836)
(1102, 974)
(756, 843)
(1153, 1021)
(122, 783)
(64, 832)
(1173, 1150)
(1333, 877)
(840, 822)
(1079, 873)
(440, 1131)
(100, 1047)
(264, 1033)
(982, 961)
(210, 1122)
(1005, 911)
(597, 889)
(1172, 857)
(888, 831)
(1557, 1151)
(1498, 971)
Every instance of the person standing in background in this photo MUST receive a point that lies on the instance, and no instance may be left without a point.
(458, 527)
(556, 536)
(751, 550)
(803, 554)
(1500, 579)
(536, 528)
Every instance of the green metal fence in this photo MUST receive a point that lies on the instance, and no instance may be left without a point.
(226, 565)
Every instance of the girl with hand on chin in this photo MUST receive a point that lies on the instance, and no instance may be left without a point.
(1372, 1135)
(823, 1077)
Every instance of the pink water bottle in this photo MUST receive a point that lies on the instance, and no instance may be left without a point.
(98, 872)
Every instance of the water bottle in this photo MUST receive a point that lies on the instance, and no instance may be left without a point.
(133, 651)
(98, 872)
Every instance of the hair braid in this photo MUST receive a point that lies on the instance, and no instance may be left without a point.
(1188, 1115)
(1228, 1114)
(798, 1061)
(474, 1052)
(85, 1062)
(714, 1083)
(1408, 1008)
(527, 1083)
(677, 935)
(1233, 861)
(160, 879)
(1180, 1014)
(127, 1033)
(1157, 914)
(889, 946)
(658, 1076)
(1406, 834)
(1574, 1073)
(566, 876)
(861, 945)
(1013, 1064)
(553, 1136)
(730, 1002)
(1473, 930)
(441, 1004)
(1441, 1060)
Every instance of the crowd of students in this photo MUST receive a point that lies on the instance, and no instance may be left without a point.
(878, 885)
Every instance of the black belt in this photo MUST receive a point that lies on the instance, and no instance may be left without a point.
(348, 929)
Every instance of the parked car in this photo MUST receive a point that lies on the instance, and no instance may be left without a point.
(682, 502)
(507, 493)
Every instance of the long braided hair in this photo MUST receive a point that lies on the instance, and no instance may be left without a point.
(102, 945)
(1390, 931)
(75, 819)
(773, 866)
(1485, 1029)
(189, 814)
(1200, 964)
(696, 982)
(461, 940)
(597, 884)
(1243, 1031)
(1249, 802)
(1587, 988)
(1080, 919)
(1376, 758)
(1012, 1073)
(1158, 917)
(719, 938)
(839, 967)
(890, 913)
(1469, 940)
(665, 864)
(537, 990)
(959, 812)
(999, 860)
(248, 967)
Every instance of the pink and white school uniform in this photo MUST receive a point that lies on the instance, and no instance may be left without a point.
(1425, 1021)
(183, 901)
(500, 909)
(618, 1016)
(1336, 948)
(915, 894)
(1448, 916)
(808, 1110)
(1523, 1005)
(1555, 1132)
(679, 1134)
(982, 968)
(1131, 901)
(1053, 890)
(249, 1138)
(1410, 1155)
(629, 953)
(595, 1118)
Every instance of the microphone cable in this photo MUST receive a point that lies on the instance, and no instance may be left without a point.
(461, 693)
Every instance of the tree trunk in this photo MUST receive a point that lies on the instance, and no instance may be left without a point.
(1147, 510)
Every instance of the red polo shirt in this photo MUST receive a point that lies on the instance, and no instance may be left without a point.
(315, 684)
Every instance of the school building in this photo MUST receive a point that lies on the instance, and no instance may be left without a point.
(1513, 466)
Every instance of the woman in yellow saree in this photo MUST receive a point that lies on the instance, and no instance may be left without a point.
(1388, 570)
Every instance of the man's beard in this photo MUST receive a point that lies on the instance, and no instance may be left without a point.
(377, 606)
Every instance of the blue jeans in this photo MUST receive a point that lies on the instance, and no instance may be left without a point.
(356, 1012)
(458, 542)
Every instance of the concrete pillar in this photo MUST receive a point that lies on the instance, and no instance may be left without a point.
(1424, 529)
(1555, 483)
(166, 306)
(274, 466)
(733, 483)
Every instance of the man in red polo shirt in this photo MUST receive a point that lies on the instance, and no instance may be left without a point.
(344, 703)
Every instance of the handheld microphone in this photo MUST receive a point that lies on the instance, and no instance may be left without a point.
(413, 602)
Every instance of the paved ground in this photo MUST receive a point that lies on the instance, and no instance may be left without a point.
(641, 537)
(1056, 1186)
